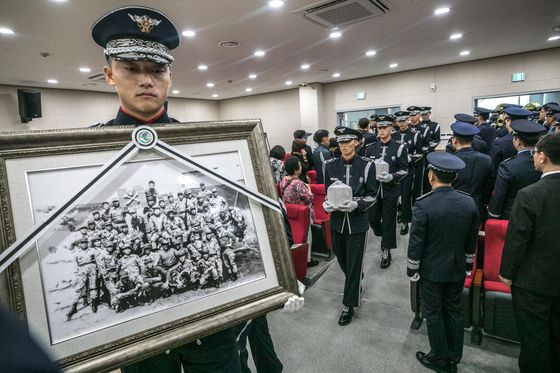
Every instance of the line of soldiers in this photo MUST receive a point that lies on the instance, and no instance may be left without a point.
(133, 255)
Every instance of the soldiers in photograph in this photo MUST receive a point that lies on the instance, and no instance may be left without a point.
(203, 193)
(383, 214)
(86, 277)
(116, 211)
(127, 292)
(154, 278)
(151, 192)
(108, 268)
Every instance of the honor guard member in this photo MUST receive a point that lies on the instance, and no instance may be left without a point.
(321, 154)
(137, 42)
(549, 116)
(440, 252)
(517, 172)
(487, 131)
(433, 128)
(502, 129)
(419, 166)
(368, 137)
(477, 178)
(477, 144)
(383, 214)
(413, 141)
(349, 221)
(502, 148)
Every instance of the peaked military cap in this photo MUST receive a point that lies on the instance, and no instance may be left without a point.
(401, 115)
(136, 33)
(425, 109)
(413, 110)
(445, 162)
(344, 134)
(481, 110)
(517, 113)
(461, 117)
(527, 127)
(552, 108)
(384, 120)
(464, 129)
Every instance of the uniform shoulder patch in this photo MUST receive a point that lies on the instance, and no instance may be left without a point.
(366, 159)
(331, 160)
(508, 159)
(465, 193)
(424, 196)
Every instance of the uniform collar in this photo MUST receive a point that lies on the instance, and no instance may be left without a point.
(464, 149)
(349, 160)
(386, 143)
(124, 118)
(442, 189)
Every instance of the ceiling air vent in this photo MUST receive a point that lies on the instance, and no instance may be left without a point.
(99, 77)
(339, 13)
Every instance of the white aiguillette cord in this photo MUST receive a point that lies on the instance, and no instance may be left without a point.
(143, 137)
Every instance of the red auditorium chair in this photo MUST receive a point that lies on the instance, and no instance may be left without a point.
(497, 311)
(298, 217)
(323, 241)
(312, 175)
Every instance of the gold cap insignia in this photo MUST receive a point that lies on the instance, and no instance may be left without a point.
(145, 23)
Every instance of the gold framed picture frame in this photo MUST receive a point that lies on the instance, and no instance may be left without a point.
(174, 244)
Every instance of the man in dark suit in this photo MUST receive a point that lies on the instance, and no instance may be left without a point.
(531, 259)
(441, 250)
(321, 154)
(517, 172)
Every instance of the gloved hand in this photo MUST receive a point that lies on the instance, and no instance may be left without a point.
(415, 278)
(293, 304)
(329, 207)
(348, 206)
(385, 178)
(468, 273)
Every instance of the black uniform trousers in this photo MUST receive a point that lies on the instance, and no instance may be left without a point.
(383, 220)
(538, 322)
(417, 169)
(205, 358)
(406, 199)
(441, 306)
(349, 250)
(262, 348)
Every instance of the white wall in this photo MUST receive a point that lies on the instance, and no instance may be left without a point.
(279, 112)
(69, 108)
(457, 85)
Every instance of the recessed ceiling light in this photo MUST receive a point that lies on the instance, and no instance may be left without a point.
(253, 76)
(552, 38)
(455, 36)
(175, 91)
(371, 53)
(58, 1)
(275, 3)
(189, 33)
(260, 53)
(335, 34)
(465, 53)
(210, 84)
(289, 82)
(305, 66)
(248, 89)
(440, 11)
(215, 95)
(6, 31)
(393, 65)
(52, 81)
(202, 67)
(85, 69)
(336, 75)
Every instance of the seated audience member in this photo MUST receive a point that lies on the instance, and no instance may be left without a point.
(276, 157)
(299, 151)
(296, 192)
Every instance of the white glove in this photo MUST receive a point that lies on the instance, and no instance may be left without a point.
(348, 206)
(293, 304)
(300, 287)
(468, 273)
(385, 178)
(329, 207)
(415, 278)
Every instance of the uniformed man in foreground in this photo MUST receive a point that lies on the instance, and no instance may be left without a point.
(349, 221)
(137, 43)
(517, 172)
(383, 215)
(441, 249)
(477, 143)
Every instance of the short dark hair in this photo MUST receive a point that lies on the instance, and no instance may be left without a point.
(484, 115)
(444, 177)
(549, 144)
(464, 140)
(363, 123)
(333, 143)
(277, 152)
(292, 165)
(320, 135)
(298, 144)
(528, 140)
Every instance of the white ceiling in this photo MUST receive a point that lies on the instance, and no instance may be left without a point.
(410, 35)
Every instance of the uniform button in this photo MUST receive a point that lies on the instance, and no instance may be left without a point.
(198, 342)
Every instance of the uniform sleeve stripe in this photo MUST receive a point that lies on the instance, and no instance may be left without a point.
(412, 264)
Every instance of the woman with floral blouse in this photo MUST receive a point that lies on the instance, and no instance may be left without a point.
(277, 154)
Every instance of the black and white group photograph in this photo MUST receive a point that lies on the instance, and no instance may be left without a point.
(154, 236)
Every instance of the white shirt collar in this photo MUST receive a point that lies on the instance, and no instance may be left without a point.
(550, 173)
